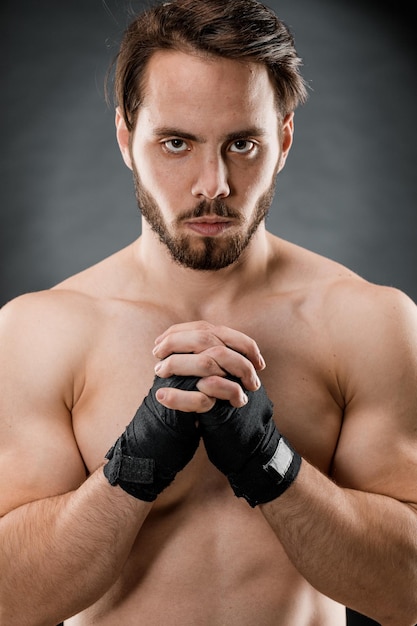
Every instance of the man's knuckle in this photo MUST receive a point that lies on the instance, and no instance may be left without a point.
(208, 365)
(204, 326)
(206, 340)
(218, 352)
(206, 404)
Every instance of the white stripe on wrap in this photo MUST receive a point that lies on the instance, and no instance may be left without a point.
(282, 458)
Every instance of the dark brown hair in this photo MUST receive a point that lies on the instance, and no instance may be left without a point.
(236, 29)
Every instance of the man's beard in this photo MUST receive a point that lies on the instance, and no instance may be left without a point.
(211, 253)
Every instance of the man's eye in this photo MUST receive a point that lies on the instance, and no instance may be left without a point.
(175, 145)
(242, 146)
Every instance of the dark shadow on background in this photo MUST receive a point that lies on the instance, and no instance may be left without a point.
(356, 619)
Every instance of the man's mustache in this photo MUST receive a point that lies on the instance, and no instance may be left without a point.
(215, 207)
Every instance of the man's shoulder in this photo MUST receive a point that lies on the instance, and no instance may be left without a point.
(338, 295)
(355, 295)
(337, 283)
(45, 304)
(48, 317)
(361, 318)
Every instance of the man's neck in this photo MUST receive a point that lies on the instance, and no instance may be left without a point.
(199, 289)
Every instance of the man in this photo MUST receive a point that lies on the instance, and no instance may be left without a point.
(213, 505)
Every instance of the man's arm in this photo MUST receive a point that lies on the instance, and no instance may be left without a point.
(355, 537)
(364, 522)
(61, 554)
(356, 547)
(63, 538)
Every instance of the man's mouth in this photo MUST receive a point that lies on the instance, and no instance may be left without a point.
(209, 226)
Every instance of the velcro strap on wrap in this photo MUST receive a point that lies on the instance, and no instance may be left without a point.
(128, 468)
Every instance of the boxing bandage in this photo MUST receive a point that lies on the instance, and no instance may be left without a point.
(155, 446)
(245, 445)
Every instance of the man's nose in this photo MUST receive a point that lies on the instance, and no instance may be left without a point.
(211, 179)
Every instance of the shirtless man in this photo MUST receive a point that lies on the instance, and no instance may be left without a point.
(213, 508)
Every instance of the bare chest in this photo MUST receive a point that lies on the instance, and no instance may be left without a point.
(299, 378)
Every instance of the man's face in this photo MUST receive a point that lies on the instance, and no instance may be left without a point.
(205, 153)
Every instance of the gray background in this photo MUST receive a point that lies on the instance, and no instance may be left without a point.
(348, 190)
(349, 187)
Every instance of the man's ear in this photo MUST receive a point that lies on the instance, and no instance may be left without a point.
(286, 137)
(123, 138)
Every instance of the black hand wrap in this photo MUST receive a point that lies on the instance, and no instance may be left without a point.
(155, 446)
(246, 446)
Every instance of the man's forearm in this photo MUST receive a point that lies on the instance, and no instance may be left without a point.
(59, 555)
(357, 548)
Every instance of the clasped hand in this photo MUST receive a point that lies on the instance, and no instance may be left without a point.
(207, 385)
(209, 353)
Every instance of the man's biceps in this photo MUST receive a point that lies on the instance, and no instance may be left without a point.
(36, 466)
(377, 459)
